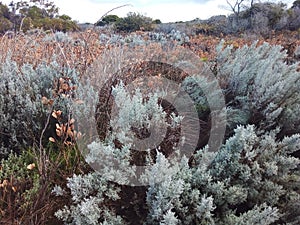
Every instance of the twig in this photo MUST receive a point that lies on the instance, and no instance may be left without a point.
(41, 147)
(121, 6)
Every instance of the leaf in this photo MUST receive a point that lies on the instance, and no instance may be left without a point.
(52, 139)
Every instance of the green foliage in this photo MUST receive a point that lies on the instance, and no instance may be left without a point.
(26, 195)
(109, 19)
(45, 8)
(275, 13)
(157, 21)
(65, 17)
(4, 11)
(42, 14)
(263, 17)
(19, 183)
(33, 12)
(56, 24)
(134, 22)
(16, 166)
(5, 25)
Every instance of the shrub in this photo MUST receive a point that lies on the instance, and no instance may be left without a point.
(5, 25)
(23, 110)
(19, 184)
(109, 19)
(253, 177)
(134, 22)
(90, 194)
(261, 88)
(4, 11)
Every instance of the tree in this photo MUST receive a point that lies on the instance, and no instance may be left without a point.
(296, 4)
(30, 14)
(294, 16)
(4, 11)
(48, 7)
(5, 24)
(33, 12)
(157, 21)
(109, 19)
(267, 15)
(65, 17)
(258, 16)
(134, 22)
(236, 7)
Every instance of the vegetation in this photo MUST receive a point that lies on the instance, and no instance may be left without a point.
(134, 22)
(130, 126)
(26, 16)
(109, 19)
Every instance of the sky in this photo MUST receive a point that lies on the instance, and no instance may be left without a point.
(165, 10)
(90, 11)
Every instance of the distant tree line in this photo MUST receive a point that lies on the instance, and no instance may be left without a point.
(263, 16)
(27, 15)
(253, 16)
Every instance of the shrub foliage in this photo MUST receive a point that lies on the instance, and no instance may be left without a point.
(253, 178)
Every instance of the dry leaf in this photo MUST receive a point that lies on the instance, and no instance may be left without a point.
(5, 183)
(79, 135)
(31, 166)
(45, 101)
(72, 121)
(51, 139)
(56, 114)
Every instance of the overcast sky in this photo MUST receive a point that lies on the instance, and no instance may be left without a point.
(165, 10)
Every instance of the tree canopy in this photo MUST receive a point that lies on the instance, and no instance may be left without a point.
(31, 14)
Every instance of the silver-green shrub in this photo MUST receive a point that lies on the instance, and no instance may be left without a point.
(90, 193)
(260, 88)
(23, 115)
(248, 182)
(252, 179)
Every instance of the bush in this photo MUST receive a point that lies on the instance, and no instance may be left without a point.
(55, 24)
(19, 184)
(109, 19)
(4, 11)
(5, 25)
(134, 22)
(23, 110)
(29, 196)
(255, 97)
(252, 179)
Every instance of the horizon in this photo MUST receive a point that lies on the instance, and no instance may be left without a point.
(90, 11)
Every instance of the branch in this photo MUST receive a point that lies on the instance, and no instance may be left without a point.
(231, 6)
(237, 6)
(111, 11)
